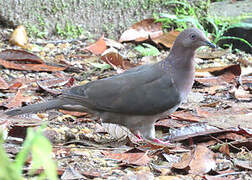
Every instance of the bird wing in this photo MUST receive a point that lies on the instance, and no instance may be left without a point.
(142, 90)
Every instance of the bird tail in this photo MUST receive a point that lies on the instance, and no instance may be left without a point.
(34, 108)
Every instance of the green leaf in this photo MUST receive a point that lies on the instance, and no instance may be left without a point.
(147, 50)
(102, 66)
(41, 157)
(7, 168)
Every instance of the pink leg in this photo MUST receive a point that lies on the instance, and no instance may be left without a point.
(138, 136)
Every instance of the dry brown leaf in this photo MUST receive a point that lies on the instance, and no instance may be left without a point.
(200, 161)
(184, 162)
(20, 55)
(225, 149)
(166, 39)
(208, 177)
(216, 71)
(113, 58)
(211, 90)
(185, 115)
(213, 104)
(170, 123)
(15, 85)
(169, 178)
(113, 43)
(17, 100)
(49, 84)
(19, 37)
(3, 84)
(142, 31)
(225, 74)
(139, 175)
(206, 112)
(140, 159)
(73, 113)
(98, 47)
(30, 67)
(241, 94)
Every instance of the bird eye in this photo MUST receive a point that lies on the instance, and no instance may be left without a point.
(193, 36)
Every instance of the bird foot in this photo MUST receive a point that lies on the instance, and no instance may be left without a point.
(138, 138)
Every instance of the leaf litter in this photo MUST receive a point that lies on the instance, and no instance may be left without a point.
(211, 132)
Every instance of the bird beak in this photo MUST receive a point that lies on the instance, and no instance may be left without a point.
(208, 43)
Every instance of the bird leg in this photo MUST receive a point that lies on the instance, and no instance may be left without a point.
(138, 136)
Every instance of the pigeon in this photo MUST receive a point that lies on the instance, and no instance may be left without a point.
(138, 97)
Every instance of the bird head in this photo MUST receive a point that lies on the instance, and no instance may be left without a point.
(193, 38)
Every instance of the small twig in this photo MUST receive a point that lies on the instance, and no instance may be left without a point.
(60, 41)
(92, 148)
(231, 173)
(225, 143)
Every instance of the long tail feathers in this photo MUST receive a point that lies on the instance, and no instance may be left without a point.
(34, 108)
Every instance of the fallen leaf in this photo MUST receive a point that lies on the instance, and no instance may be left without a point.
(19, 37)
(225, 149)
(4, 126)
(20, 55)
(213, 104)
(50, 84)
(142, 31)
(166, 39)
(15, 85)
(140, 159)
(113, 58)
(200, 161)
(216, 71)
(3, 84)
(170, 123)
(169, 178)
(184, 162)
(220, 75)
(98, 47)
(243, 164)
(113, 43)
(207, 112)
(208, 177)
(18, 100)
(71, 173)
(18, 125)
(30, 67)
(73, 113)
(186, 116)
(190, 131)
(240, 93)
(141, 175)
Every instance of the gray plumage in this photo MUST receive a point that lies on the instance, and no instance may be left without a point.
(139, 96)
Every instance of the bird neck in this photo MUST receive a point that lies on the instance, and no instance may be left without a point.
(180, 54)
(180, 64)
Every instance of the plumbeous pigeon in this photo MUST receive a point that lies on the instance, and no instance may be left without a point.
(137, 97)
